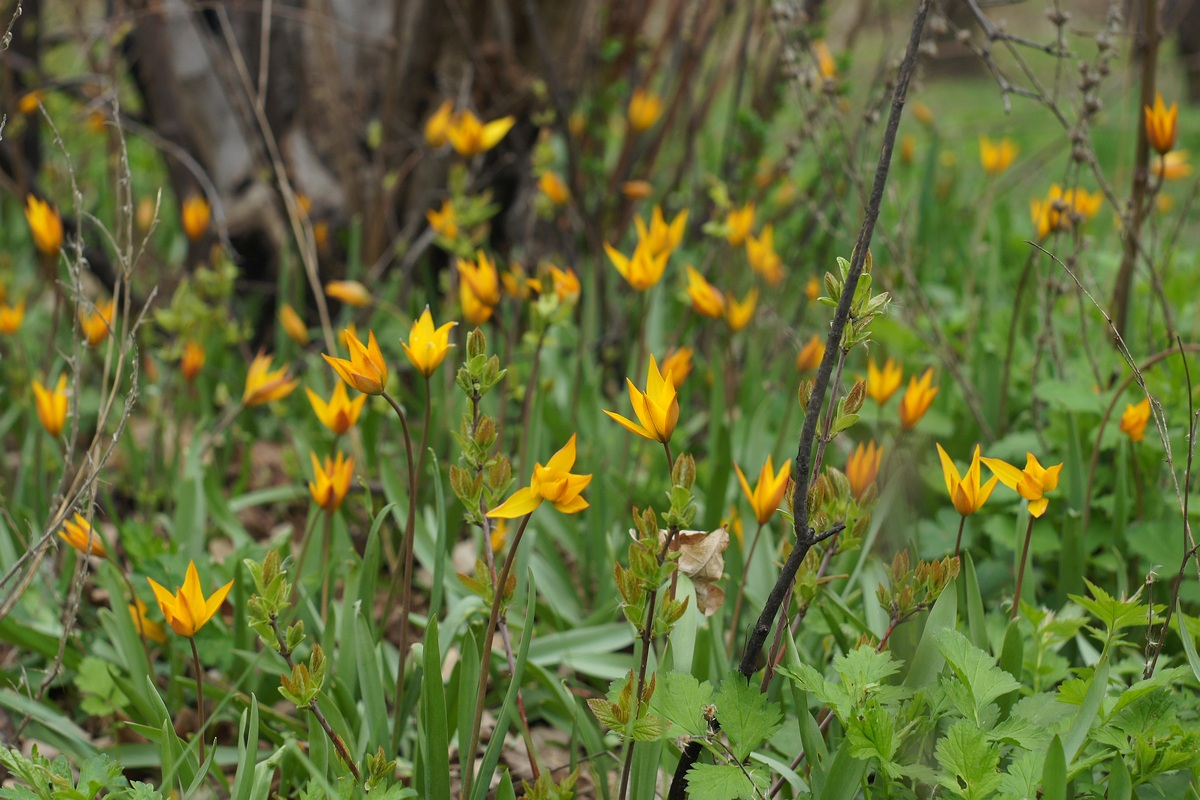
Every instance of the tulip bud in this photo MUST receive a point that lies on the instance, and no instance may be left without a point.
(683, 474)
(476, 344)
(854, 400)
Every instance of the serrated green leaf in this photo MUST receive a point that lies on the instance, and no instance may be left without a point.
(681, 699)
(978, 672)
(968, 762)
(725, 782)
(872, 735)
(746, 715)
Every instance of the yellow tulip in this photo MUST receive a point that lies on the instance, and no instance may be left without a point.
(11, 317)
(30, 101)
(641, 271)
(331, 482)
(1032, 483)
(812, 288)
(862, 468)
(196, 215)
(760, 253)
(738, 223)
(352, 293)
(917, 399)
(965, 492)
(645, 108)
(187, 611)
(438, 124)
(1162, 125)
(554, 482)
(996, 157)
(810, 355)
(264, 384)
(566, 284)
(192, 360)
(1134, 420)
(427, 346)
(340, 413)
(97, 324)
(768, 492)
(738, 313)
(551, 185)
(293, 325)
(706, 299)
(483, 278)
(657, 409)
(443, 221)
(1173, 166)
(469, 136)
(147, 627)
(51, 406)
(79, 534)
(474, 310)
(659, 236)
(882, 384)
(365, 370)
(678, 365)
(45, 225)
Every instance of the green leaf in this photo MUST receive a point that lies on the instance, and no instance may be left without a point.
(978, 672)
(725, 782)
(1054, 772)
(681, 699)
(1087, 712)
(746, 715)
(872, 734)
(927, 662)
(1189, 642)
(968, 762)
(435, 736)
(1119, 785)
(1114, 614)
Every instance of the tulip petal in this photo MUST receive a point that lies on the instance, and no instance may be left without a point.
(564, 459)
(632, 427)
(949, 471)
(1007, 473)
(214, 602)
(523, 502)
(572, 506)
(1038, 507)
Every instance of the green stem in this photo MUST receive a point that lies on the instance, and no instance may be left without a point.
(962, 523)
(325, 567)
(737, 605)
(1016, 606)
(468, 776)
(199, 697)
(403, 581)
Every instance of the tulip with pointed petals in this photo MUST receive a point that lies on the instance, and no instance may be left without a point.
(965, 491)
(657, 409)
(1032, 483)
(365, 370)
(427, 346)
(264, 384)
(768, 491)
(340, 413)
(554, 482)
(188, 610)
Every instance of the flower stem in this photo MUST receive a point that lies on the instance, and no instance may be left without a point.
(670, 459)
(199, 696)
(962, 523)
(737, 605)
(325, 566)
(468, 776)
(403, 580)
(1016, 605)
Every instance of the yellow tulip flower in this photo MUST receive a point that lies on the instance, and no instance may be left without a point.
(645, 108)
(882, 384)
(427, 346)
(1134, 420)
(996, 157)
(738, 223)
(554, 482)
(11, 317)
(340, 413)
(659, 236)
(187, 611)
(862, 468)
(365, 370)
(293, 325)
(1173, 166)
(352, 293)
(1032, 483)
(738, 313)
(566, 284)
(965, 492)
(264, 384)
(769, 491)
(331, 482)
(45, 225)
(1162, 125)
(196, 216)
(475, 311)
(147, 627)
(483, 278)
(917, 399)
(810, 355)
(51, 406)
(641, 271)
(760, 253)
(678, 365)
(555, 189)
(438, 124)
(657, 409)
(706, 299)
(444, 221)
(79, 534)
(192, 360)
(469, 136)
(97, 324)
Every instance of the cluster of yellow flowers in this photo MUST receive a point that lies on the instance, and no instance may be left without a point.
(465, 132)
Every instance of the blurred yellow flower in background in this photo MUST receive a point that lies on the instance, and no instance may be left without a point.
(917, 399)
(264, 384)
(996, 157)
(341, 413)
(365, 370)
(97, 324)
(79, 534)
(1135, 419)
(738, 313)
(331, 481)
(862, 468)
(45, 225)
(706, 299)
(352, 293)
(469, 136)
(645, 108)
(883, 383)
(427, 346)
(51, 406)
(1162, 125)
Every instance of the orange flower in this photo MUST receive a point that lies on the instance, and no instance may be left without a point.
(862, 468)
(1032, 483)
(637, 190)
(192, 360)
(147, 627)
(11, 317)
(443, 221)
(551, 185)
(352, 293)
(469, 136)
(1135, 419)
(645, 108)
(1162, 125)
(882, 384)
(768, 492)
(660, 237)
(365, 370)
(331, 482)
(45, 225)
(438, 124)
(79, 534)
(51, 406)
(340, 413)
(996, 157)
(293, 325)
(738, 313)
(811, 354)
(917, 399)
(188, 610)
(706, 299)
(482, 277)
(678, 365)
(760, 253)
(196, 215)
(264, 384)
(96, 324)
(738, 223)
(566, 284)
(641, 271)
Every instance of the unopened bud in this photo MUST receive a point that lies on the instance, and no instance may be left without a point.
(858, 393)
(683, 473)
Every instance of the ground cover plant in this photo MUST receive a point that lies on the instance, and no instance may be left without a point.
(811, 416)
